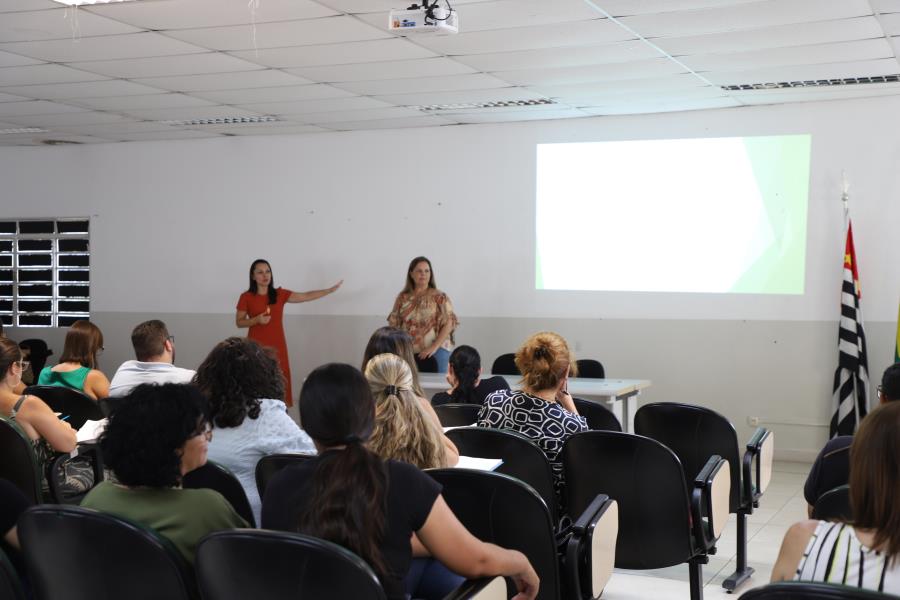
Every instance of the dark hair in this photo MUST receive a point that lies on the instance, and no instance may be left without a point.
(9, 353)
(890, 382)
(410, 285)
(235, 375)
(544, 359)
(349, 487)
(146, 430)
(391, 340)
(83, 341)
(149, 339)
(273, 294)
(466, 364)
(875, 477)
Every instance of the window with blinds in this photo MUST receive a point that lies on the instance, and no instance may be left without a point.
(45, 272)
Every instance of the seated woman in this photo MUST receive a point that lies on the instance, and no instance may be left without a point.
(77, 367)
(352, 497)
(406, 427)
(863, 553)
(152, 439)
(542, 410)
(40, 424)
(245, 389)
(464, 377)
(394, 341)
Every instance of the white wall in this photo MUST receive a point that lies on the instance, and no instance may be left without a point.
(176, 224)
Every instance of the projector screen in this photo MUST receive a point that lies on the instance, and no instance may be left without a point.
(718, 215)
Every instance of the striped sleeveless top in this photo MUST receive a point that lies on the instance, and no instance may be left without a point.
(835, 555)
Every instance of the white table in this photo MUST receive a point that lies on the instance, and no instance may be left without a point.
(615, 393)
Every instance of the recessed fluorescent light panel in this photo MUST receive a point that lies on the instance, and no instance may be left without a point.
(82, 2)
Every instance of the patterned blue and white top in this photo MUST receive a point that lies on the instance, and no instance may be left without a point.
(547, 423)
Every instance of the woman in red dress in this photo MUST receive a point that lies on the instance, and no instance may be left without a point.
(261, 308)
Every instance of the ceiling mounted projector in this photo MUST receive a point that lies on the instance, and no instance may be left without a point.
(424, 18)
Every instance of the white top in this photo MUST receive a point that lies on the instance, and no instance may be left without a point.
(134, 372)
(835, 555)
(240, 448)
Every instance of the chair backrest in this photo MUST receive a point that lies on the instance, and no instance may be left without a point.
(67, 401)
(502, 510)
(646, 480)
(10, 585)
(834, 505)
(588, 367)
(486, 588)
(75, 553)
(241, 564)
(19, 465)
(522, 458)
(427, 365)
(599, 418)
(214, 476)
(505, 364)
(693, 433)
(37, 353)
(805, 590)
(457, 415)
(269, 465)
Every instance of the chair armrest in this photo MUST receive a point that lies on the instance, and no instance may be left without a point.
(485, 588)
(710, 501)
(591, 548)
(762, 448)
(90, 450)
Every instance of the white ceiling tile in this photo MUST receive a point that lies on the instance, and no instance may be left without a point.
(165, 66)
(56, 24)
(527, 38)
(35, 107)
(895, 44)
(274, 94)
(619, 98)
(337, 54)
(182, 14)
(637, 108)
(477, 81)
(8, 59)
(266, 129)
(461, 97)
(391, 112)
(800, 55)
(183, 134)
(650, 87)
(123, 103)
(224, 81)
(328, 30)
(795, 34)
(572, 56)
(745, 16)
(885, 6)
(400, 69)
(426, 121)
(10, 98)
(869, 68)
(619, 8)
(46, 73)
(71, 119)
(891, 23)
(656, 67)
(85, 89)
(816, 94)
(23, 5)
(504, 117)
(106, 47)
(116, 129)
(41, 139)
(179, 114)
(314, 106)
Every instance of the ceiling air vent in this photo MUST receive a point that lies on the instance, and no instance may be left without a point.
(476, 105)
(221, 121)
(741, 87)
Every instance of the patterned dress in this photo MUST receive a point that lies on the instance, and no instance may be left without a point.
(423, 316)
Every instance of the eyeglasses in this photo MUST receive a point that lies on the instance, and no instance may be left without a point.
(24, 364)
(171, 338)
(206, 431)
(879, 390)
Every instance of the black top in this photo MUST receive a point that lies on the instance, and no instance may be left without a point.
(831, 469)
(485, 388)
(410, 496)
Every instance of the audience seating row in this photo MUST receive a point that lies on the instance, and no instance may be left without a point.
(505, 364)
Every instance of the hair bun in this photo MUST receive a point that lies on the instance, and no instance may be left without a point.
(541, 352)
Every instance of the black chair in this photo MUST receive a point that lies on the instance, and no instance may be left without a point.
(271, 464)
(661, 523)
(805, 590)
(486, 588)
(19, 465)
(502, 510)
(37, 354)
(214, 476)
(834, 505)
(75, 553)
(588, 367)
(505, 364)
(695, 433)
(599, 418)
(427, 365)
(522, 458)
(241, 564)
(10, 585)
(457, 415)
(79, 407)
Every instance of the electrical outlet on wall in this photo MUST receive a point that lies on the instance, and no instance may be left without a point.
(753, 421)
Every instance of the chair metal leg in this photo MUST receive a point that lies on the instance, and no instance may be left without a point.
(696, 570)
(742, 572)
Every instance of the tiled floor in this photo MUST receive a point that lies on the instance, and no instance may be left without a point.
(780, 507)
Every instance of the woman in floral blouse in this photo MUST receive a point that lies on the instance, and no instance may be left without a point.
(426, 313)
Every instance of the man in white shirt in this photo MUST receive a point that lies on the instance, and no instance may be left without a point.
(154, 349)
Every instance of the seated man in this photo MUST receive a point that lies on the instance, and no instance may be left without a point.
(155, 352)
(832, 466)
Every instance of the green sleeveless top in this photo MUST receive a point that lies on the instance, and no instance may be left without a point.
(71, 379)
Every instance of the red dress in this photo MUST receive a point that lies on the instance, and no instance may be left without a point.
(271, 334)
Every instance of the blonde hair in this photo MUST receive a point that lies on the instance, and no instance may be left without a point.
(545, 359)
(402, 429)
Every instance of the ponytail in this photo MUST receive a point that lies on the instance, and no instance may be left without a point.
(466, 366)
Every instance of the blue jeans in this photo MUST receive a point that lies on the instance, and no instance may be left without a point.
(442, 356)
(428, 579)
